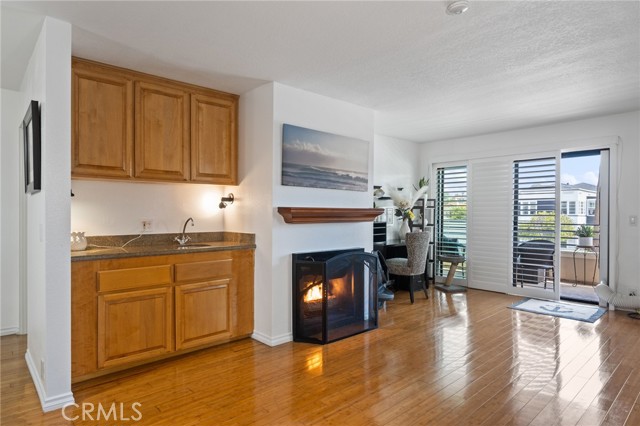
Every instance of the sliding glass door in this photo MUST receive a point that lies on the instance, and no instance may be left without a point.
(584, 204)
(509, 217)
(535, 228)
(451, 219)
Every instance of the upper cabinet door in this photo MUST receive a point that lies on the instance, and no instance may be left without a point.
(213, 139)
(102, 137)
(162, 132)
(133, 126)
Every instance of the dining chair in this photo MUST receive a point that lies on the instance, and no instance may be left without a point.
(531, 257)
(414, 264)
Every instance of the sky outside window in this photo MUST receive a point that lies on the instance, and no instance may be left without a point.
(580, 169)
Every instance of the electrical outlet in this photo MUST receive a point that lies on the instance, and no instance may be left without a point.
(633, 220)
(147, 225)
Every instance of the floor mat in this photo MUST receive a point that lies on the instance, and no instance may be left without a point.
(572, 311)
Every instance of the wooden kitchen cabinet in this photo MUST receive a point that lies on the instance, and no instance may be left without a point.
(162, 143)
(102, 116)
(204, 309)
(134, 314)
(202, 313)
(214, 156)
(133, 310)
(129, 125)
(134, 325)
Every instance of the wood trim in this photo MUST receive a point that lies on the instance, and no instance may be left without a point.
(84, 318)
(327, 214)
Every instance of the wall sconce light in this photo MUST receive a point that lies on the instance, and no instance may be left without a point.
(224, 200)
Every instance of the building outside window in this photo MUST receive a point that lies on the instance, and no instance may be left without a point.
(563, 207)
(528, 208)
(591, 207)
(572, 207)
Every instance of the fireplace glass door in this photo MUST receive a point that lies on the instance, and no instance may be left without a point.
(334, 297)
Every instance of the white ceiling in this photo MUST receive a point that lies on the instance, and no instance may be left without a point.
(428, 76)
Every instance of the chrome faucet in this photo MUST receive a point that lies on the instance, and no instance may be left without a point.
(182, 239)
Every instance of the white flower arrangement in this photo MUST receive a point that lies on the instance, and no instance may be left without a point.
(405, 199)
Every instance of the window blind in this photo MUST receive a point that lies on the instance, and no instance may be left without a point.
(534, 232)
(489, 234)
(451, 216)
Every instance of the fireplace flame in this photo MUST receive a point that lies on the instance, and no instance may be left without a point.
(314, 293)
(337, 287)
(340, 286)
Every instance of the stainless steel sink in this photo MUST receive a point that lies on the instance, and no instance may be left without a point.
(193, 246)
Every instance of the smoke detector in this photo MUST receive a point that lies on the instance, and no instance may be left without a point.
(457, 7)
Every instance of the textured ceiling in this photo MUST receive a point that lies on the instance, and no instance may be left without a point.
(428, 76)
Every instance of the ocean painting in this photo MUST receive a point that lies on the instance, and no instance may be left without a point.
(315, 159)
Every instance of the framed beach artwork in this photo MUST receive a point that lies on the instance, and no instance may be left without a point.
(315, 159)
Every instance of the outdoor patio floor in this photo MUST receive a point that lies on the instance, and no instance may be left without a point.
(581, 292)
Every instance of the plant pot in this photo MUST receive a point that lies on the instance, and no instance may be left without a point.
(585, 241)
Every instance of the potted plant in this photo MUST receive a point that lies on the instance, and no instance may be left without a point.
(585, 235)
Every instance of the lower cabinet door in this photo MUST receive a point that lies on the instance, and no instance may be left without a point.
(134, 325)
(202, 313)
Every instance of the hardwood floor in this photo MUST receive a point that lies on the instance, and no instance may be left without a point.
(462, 359)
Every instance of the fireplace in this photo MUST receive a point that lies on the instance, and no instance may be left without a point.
(334, 294)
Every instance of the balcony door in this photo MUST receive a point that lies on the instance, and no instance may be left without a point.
(584, 202)
(503, 194)
(451, 220)
(500, 193)
(515, 232)
(535, 242)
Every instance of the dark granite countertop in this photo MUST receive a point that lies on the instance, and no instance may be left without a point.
(118, 246)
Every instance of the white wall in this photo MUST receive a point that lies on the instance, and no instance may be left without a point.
(11, 191)
(396, 162)
(571, 135)
(305, 109)
(117, 208)
(48, 80)
(262, 113)
(252, 210)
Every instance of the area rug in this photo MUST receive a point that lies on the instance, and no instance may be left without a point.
(572, 311)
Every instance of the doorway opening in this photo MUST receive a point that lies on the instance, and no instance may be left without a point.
(584, 219)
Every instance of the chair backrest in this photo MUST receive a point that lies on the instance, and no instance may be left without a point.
(536, 252)
(417, 248)
(382, 266)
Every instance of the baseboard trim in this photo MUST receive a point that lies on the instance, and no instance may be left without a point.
(8, 331)
(48, 403)
(272, 341)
